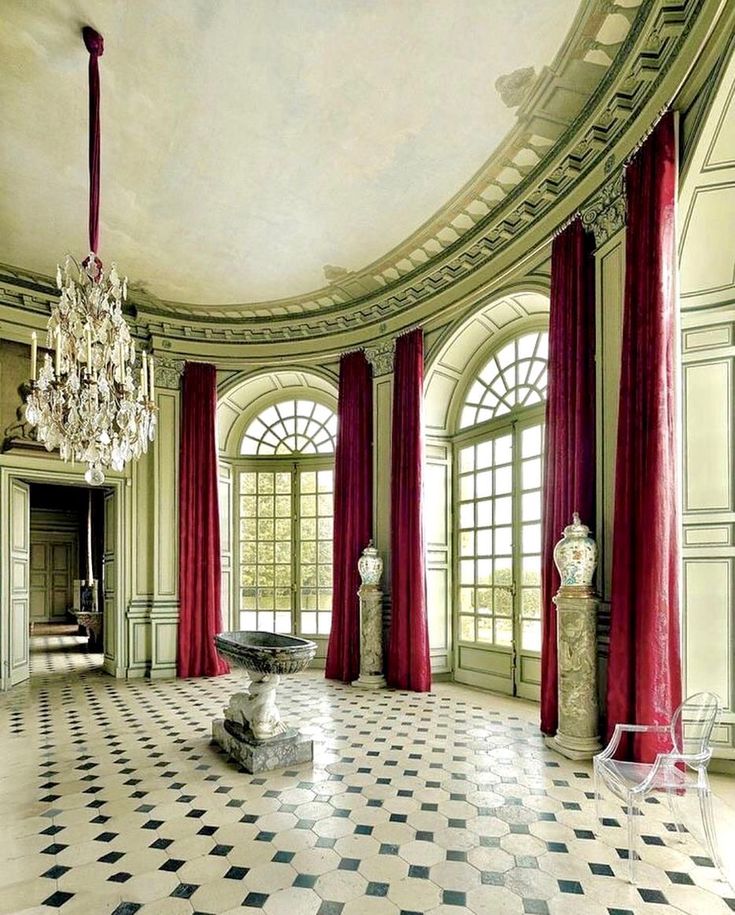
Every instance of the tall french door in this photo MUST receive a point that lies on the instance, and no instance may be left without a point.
(284, 542)
(497, 616)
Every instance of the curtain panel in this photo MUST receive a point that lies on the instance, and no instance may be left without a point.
(353, 512)
(199, 535)
(644, 671)
(408, 663)
(569, 453)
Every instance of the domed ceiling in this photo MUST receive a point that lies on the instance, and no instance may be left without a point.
(259, 150)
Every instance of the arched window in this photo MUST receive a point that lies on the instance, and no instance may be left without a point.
(291, 427)
(285, 487)
(498, 478)
(513, 377)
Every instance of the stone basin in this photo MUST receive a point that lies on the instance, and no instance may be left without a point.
(265, 652)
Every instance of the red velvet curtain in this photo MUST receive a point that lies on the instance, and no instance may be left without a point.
(569, 455)
(408, 664)
(353, 512)
(199, 546)
(644, 671)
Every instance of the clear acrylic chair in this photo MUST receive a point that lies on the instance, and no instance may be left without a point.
(682, 769)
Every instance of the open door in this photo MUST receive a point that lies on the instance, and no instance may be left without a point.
(109, 574)
(19, 578)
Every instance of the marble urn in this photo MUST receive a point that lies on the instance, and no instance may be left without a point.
(370, 566)
(575, 556)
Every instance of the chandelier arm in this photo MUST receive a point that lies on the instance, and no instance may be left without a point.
(95, 45)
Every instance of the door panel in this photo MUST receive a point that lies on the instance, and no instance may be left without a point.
(19, 577)
(109, 575)
(498, 539)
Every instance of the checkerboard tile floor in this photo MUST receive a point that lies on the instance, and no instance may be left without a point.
(114, 801)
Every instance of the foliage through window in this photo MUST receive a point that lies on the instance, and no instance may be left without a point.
(513, 377)
(291, 427)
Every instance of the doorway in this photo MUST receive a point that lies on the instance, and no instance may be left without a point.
(50, 556)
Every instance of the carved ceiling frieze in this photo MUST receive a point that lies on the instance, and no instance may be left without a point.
(520, 189)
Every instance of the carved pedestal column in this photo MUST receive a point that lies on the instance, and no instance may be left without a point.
(370, 566)
(371, 638)
(575, 556)
(578, 733)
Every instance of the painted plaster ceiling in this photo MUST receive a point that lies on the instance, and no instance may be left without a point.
(247, 145)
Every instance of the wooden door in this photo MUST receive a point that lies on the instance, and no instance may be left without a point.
(19, 578)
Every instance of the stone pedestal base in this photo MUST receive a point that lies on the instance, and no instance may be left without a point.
(287, 749)
(574, 747)
(576, 614)
(371, 639)
(370, 681)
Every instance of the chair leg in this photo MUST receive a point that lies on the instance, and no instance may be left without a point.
(632, 839)
(671, 797)
(710, 830)
(598, 798)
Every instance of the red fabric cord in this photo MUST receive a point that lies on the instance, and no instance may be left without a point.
(644, 670)
(95, 45)
(408, 664)
(353, 512)
(569, 454)
(199, 534)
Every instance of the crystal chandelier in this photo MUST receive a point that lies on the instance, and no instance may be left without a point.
(90, 399)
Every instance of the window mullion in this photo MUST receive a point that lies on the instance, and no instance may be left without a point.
(296, 548)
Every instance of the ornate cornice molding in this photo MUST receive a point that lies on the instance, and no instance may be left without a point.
(382, 357)
(604, 214)
(527, 198)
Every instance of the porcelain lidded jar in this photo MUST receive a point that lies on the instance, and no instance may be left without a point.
(575, 556)
(370, 566)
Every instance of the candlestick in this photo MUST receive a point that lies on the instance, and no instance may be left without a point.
(57, 367)
(144, 374)
(89, 349)
(34, 356)
(151, 379)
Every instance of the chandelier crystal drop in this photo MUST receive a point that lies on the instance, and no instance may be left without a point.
(91, 399)
(86, 401)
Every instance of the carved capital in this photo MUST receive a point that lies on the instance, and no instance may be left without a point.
(168, 371)
(381, 357)
(604, 215)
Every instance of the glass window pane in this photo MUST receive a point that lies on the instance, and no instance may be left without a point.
(265, 506)
(247, 483)
(325, 623)
(283, 506)
(467, 571)
(504, 510)
(283, 622)
(325, 599)
(266, 598)
(308, 600)
(484, 571)
(467, 628)
(308, 551)
(266, 483)
(531, 442)
(503, 541)
(503, 601)
(247, 575)
(467, 459)
(485, 513)
(308, 482)
(467, 543)
(265, 622)
(484, 629)
(283, 482)
(531, 538)
(531, 571)
(325, 528)
(325, 503)
(466, 600)
(503, 631)
(467, 487)
(325, 480)
(531, 474)
(485, 455)
(265, 529)
(484, 484)
(484, 543)
(504, 449)
(531, 506)
(308, 623)
(248, 620)
(531, 602)
(485, 600)
(308, 575)
(324, 576)
(283, 598)
(503, 480)
(467, 515)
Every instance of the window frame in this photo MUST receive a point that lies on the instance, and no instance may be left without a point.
(295, 465)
